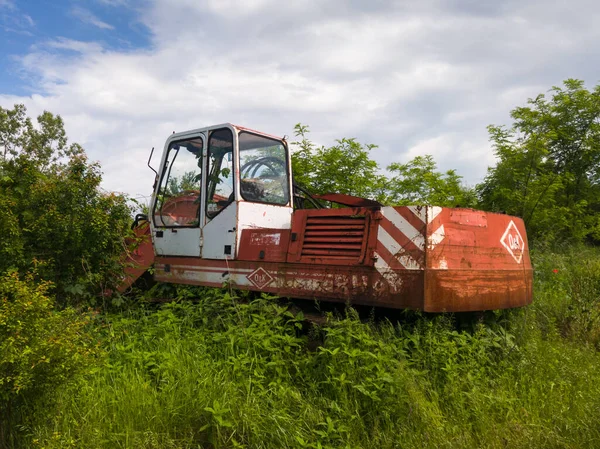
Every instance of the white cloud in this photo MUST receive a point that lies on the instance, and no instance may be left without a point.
(114, 2)
(13, 21)
(414, 78)
(62, 43)
(28, 20)
(87, 16)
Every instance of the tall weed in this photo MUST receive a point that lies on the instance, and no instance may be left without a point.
(567, 293)
(229, 372)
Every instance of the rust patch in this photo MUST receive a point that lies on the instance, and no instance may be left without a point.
(469, 217)
(464, 290)
(139, 259)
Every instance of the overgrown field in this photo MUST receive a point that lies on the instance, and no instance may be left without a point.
(225, 372)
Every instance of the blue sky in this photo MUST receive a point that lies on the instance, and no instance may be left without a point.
(27, 24)
(415, 78)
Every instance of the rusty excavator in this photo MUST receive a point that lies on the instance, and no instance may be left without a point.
(225, 209)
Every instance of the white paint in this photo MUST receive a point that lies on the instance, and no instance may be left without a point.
(260, 277)
(436, 237)
(324, 284)
(420, 211)
(426, 213)
(432, 212)
(404, 226)
(442, 264)
(220, 231)
(216, 269)
(388, 241)
(258, 215)
(177, 242)
(513, 242)
(266, 239)
(396, 250)
(206, 275)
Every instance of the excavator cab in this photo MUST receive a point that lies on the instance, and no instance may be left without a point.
(214, 183)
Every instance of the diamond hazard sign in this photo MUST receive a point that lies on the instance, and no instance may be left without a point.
(513, 242)
(260, 278)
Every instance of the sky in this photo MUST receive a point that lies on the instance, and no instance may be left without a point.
(413, 77)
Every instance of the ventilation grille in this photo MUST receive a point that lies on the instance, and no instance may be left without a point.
(334, 237)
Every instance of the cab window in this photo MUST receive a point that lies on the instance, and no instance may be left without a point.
(263, 170)
(219, 187)
(178, 199)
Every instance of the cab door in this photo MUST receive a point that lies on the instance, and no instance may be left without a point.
(176, 225)
(220, 206)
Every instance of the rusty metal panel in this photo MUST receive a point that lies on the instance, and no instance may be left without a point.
(360, 285)
(472, 290)
(476, 261)
(268, 245)
(330, 236)
(426, 258)
(500, 245)
(139, 259)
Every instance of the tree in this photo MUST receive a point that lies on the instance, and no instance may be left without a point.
(347, 168)
(343, 168)
(189, 181)
(61, 239)
(55, 217)
(419, 182)
(548, 169)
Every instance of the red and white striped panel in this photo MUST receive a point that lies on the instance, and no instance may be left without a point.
(401, 239)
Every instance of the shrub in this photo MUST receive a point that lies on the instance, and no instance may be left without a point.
(54, 210)
(40, 349)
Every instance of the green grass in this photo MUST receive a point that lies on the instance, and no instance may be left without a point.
(224, 372)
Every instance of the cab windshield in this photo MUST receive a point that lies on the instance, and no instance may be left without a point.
(178, 199)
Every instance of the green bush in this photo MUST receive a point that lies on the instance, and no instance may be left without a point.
(41, 349)
(55, 215)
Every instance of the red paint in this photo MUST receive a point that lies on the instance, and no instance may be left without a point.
(347, 200)
(455, 262)
(273, 244)
(260, 133)
(331, 236)
(139, 258)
